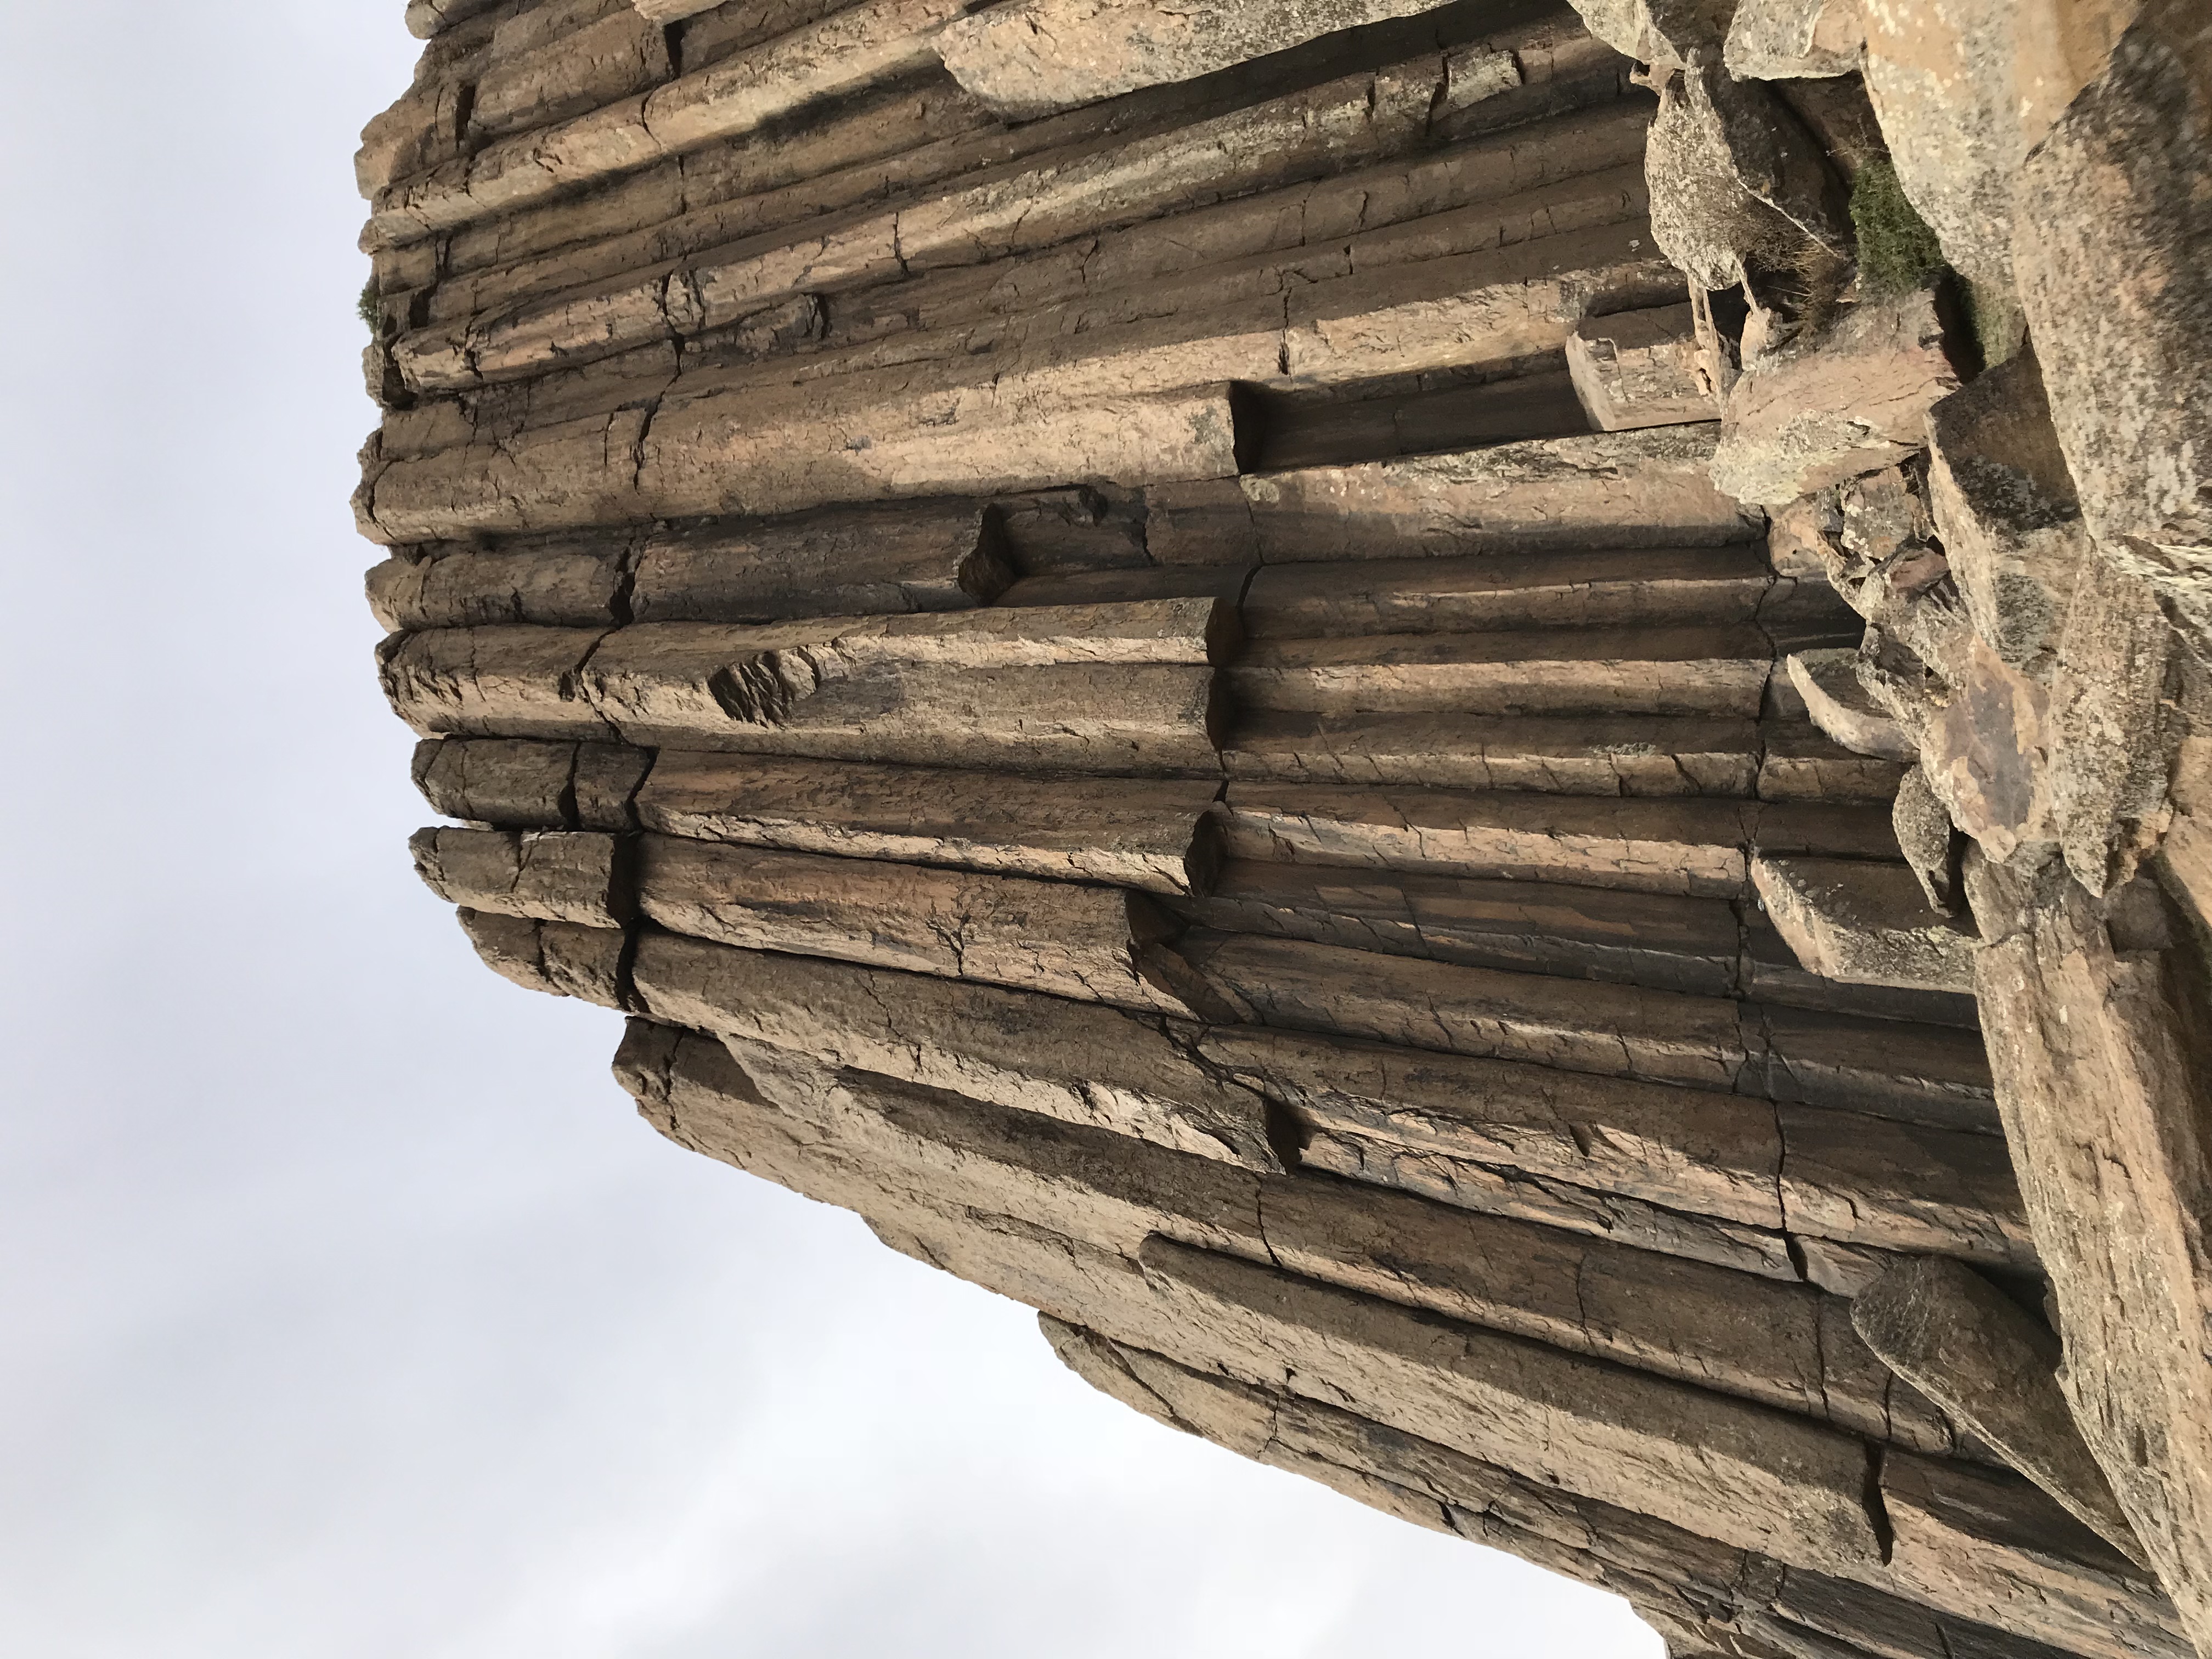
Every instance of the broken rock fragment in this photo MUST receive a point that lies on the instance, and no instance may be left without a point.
(1828, 406)
(1965, 1344)
(1865, 923)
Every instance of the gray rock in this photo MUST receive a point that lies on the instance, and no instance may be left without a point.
(1737, 185)
(1785, 40)
(2005, 506)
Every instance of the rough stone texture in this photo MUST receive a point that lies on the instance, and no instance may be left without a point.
(1640, 368)
(1822, 410)
(1840, 705)
(1737, 185)
(1154, 835)
(1926, 835)
(1621, 489)
(2115, 270)
(1865, 922)
(554, 875)
(1940, 73)
(2004, 504)
(1960, 1340)
(1779, 39)
(2097, 1027)
(1664, 33)
(1035, 56)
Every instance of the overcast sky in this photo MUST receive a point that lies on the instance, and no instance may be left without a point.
(349, 1313)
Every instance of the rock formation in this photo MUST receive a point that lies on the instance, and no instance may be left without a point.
(1478, 732)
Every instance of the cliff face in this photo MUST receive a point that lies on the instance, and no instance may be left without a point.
(1384, 722)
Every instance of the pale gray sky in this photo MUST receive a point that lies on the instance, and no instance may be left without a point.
(349, 1311)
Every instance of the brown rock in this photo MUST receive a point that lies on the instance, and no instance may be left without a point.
(864, 44)
(2005, 506)
(1987, 1545)
(1610, 1435)
(1151, 834)
(554, 875)
(1825, 408)
(916, 556)
(1840, 705)
(1686, 846)
(1638, 369)
(1646, 488)
(2114, 279)
(1092, 943)
(2096, 1039)
(1036, 57)
(1079, 1062)
(516, 783)
(1864, 923)
(560, 959)
(570, 587)
(1965, 1344)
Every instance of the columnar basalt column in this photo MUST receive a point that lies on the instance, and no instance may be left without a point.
(1374, 700)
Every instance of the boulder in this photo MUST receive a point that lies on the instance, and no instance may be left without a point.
(1939, 72)
(1737, 185)
(1785, 40)
(1826, 407)
(2004, 504)
(2115, 271)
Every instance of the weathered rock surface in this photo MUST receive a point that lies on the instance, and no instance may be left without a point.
(1153, 835)
(1820, 411)
(554, 875)
(1089, 684)
(2097, 1034)
(2005, 506)
(1035, 56)
(1779, 39)
(1962, 1341)
(2113, 276)
(1865, 922)
(1093, 944)
(1840, 705)
(1637, 368)
(1737, 185)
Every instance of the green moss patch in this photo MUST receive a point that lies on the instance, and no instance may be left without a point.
(1897, 251)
